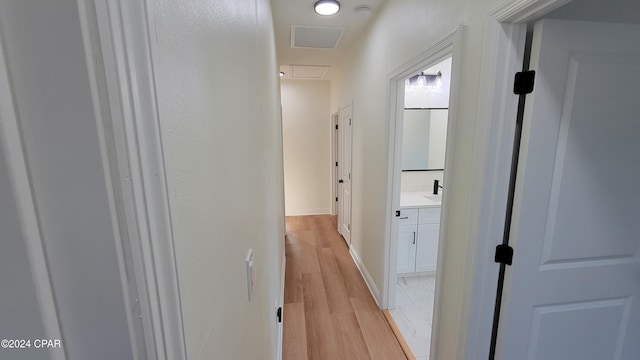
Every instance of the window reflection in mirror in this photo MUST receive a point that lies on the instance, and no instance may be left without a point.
(424, 139)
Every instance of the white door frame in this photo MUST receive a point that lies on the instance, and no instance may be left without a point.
(119, 38)
(449, 46)
(504, 42)
(338, 186)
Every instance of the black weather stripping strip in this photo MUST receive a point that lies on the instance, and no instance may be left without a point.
(509, 209)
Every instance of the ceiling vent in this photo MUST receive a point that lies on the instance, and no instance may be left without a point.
(315, 37)
(308, 72)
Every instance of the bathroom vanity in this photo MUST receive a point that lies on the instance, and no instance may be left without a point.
(418, 233)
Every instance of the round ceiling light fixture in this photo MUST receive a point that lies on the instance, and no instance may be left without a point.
(326, 7)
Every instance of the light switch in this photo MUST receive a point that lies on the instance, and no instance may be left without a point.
(250, 276)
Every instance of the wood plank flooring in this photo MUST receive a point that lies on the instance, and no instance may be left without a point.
(329, 313)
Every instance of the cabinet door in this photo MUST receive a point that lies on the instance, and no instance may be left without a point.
(427, 247)
(407, 249)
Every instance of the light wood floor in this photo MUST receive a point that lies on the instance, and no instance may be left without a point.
(329, 313)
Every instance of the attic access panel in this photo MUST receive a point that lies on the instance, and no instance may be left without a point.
(315, 37)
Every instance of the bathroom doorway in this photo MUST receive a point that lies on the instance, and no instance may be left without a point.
(422, 112)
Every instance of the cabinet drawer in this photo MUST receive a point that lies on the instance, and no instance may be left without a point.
(429, 215)
(408, 216)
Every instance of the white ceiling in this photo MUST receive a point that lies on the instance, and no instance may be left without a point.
(616, 11)
(300, 12)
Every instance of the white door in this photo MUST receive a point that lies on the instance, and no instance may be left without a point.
(427, 249)
(407, 238)
(573, 291)
(335, 175)
(344, 199)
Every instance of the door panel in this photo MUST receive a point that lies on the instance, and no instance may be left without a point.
(345, 173)
(596, 323)
(573, 291)
(427, 249)
(406, 249)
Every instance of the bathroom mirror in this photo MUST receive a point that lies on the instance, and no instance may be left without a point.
(424, 139)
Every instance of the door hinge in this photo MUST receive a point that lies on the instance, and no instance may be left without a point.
(336, 126)
(349, 227)
(336, 163)
(397, 213)
(349, 176)
(349, 121)
(504, 254)
(336, 198)
(523, 83)
(279, 314)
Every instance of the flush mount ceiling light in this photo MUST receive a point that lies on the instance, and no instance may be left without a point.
(326, 7)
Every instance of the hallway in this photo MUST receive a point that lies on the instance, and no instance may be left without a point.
(329, 312)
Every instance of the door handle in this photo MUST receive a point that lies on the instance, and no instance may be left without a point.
(404, 218)
(340, 181)
(414, 238)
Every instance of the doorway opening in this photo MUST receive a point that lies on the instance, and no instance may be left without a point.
(423, 139)
(545, 195)
(422, 118)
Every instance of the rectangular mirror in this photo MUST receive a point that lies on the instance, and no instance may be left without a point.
(424, 139)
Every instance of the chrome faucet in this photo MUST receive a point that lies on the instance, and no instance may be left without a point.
(436, 185)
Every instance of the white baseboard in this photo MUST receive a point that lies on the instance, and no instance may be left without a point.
(373, 289)
(303, 212)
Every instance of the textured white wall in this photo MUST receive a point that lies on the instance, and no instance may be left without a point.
(46, 62)
(219, 110)
(307, 146)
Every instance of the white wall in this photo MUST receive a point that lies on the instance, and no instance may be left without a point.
(401, 30)
(438, 138)
(219, 109)
(336, 85)
(307, 146)
(49, 78)
(615, 11)
(20, 316)
(416, 140)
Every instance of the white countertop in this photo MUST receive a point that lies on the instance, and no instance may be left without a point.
(419, 199)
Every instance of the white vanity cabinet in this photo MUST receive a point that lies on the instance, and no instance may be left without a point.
(407, 237)
(418, 240)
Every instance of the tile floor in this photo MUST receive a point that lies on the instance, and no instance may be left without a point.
(414, 312)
